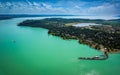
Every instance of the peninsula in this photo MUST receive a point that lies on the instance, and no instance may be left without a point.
(104, 37)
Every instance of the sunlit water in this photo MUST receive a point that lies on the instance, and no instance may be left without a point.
(37, 53)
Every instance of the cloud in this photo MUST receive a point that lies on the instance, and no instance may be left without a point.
(29, 8)
(0, 5)
(106, 9)
(61, 7)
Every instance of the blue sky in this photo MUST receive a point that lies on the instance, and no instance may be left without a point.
(75, 7)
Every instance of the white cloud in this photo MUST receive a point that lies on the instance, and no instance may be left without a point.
(58, 8)
(106, 9)
(46, 6)
(28, 2)
(0, 5)
(8, 4)
(29, 8)
(36, 4)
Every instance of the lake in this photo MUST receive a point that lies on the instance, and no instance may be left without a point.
(34, 52)
(85, 24)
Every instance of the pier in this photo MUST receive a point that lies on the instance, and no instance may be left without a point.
(95, 57)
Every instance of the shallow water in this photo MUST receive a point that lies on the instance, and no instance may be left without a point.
(37, 53)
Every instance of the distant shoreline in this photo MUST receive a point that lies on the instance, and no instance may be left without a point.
(10, 16)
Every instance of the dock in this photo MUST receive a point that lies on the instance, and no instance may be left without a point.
(95, 57)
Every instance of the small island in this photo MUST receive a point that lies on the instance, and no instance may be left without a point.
(104, 37)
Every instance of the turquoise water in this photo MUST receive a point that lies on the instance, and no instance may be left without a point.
(37, 53)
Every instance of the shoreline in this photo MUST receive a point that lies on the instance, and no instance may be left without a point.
(101, 37)
(91, 44)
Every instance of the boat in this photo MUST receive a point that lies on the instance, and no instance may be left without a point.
(13, 41)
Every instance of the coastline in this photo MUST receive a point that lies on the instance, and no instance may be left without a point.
(87, 42)
(96, 37)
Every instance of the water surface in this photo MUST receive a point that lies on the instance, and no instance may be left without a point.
(37, 53)
(85, 24)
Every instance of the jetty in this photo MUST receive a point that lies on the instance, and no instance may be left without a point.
(105, 56)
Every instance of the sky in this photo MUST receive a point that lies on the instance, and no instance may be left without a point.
(69, 7)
